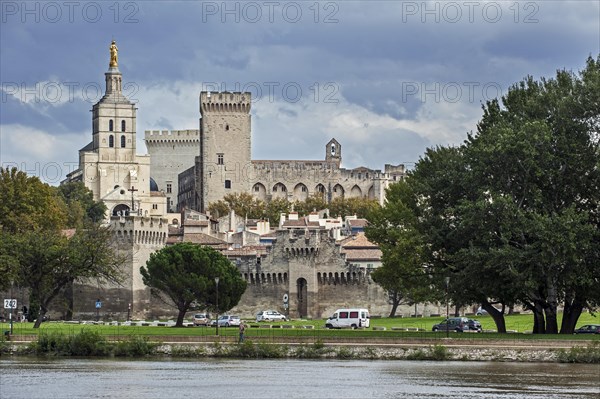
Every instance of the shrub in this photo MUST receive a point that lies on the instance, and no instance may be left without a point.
(52, 343)
(88, 343)
(589, 354)
(135, 346)
(439, 352)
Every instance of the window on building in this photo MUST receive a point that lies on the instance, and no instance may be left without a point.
(111, 126)
(303, 189)
(256, 188)
(168, 203)
(227, 183)
(123, 141)
(169, 188)
(122, 125)
(226, 127)
(154, 206)
(220, 159)
(111, 141)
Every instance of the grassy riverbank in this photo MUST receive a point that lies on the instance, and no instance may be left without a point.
(519, 325)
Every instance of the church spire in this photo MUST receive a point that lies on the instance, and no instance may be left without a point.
(113, 76)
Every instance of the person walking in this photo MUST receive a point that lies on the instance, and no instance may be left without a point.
(242, 330)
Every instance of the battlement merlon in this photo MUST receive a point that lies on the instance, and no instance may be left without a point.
(225, 102)
(394, 169)
(172, 135)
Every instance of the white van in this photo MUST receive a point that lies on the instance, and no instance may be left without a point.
(345, 318)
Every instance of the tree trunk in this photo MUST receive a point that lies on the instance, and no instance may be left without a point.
(551, 320)
(550, 308)
(539, 325)
(40, 318)
(180, 317)
(570, 316)
(496, 315)
(395, 302)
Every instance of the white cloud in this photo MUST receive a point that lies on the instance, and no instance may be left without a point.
(39, 153)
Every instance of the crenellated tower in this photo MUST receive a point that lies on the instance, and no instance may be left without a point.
(225, 160)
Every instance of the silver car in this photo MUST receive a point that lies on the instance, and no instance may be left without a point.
(227, 321)
(270, 315)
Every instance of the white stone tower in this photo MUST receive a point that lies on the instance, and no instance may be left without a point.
(109, 165)
(225, 159)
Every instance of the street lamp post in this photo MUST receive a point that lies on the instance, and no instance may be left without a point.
(447, 308)
(217, 284)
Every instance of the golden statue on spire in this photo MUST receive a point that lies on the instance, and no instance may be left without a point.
(114, 55)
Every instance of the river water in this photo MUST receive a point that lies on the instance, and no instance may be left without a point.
(32, 378)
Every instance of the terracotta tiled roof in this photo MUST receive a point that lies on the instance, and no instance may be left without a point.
(362, 254)
(174, 239)
(203, 239)
(189, 222)
(356, 241)
(358, 222)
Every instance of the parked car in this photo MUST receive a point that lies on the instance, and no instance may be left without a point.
(226, 321)
(201, 319)
(458, 324)
(588, 329)
(475, 325)
(270, 315)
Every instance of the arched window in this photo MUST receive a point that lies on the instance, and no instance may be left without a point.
(111, 126)
(123, 141)
(123, 125)
(111, 141)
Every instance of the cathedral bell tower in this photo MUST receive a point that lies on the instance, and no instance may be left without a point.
(109, 165)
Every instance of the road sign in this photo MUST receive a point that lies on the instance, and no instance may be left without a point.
(285, 298)
(98, 304)
(10, 304)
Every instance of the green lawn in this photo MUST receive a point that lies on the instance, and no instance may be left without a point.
(519, 323)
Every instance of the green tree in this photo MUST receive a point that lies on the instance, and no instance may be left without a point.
(394, 227)
(28, 204)
(539, 150)
(184, 273)
(512, 215)
(315, 202)
(352, 206)
(50, 261)
(81, 204)
(243, 204)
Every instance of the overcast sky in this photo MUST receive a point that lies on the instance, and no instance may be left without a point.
(387, 79)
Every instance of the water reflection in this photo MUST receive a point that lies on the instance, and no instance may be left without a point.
(147, 379)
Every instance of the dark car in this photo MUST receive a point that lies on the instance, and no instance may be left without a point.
(458, 324)
(588, 329)
(475, 325)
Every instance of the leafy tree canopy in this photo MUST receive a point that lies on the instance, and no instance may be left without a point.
(184, 273)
